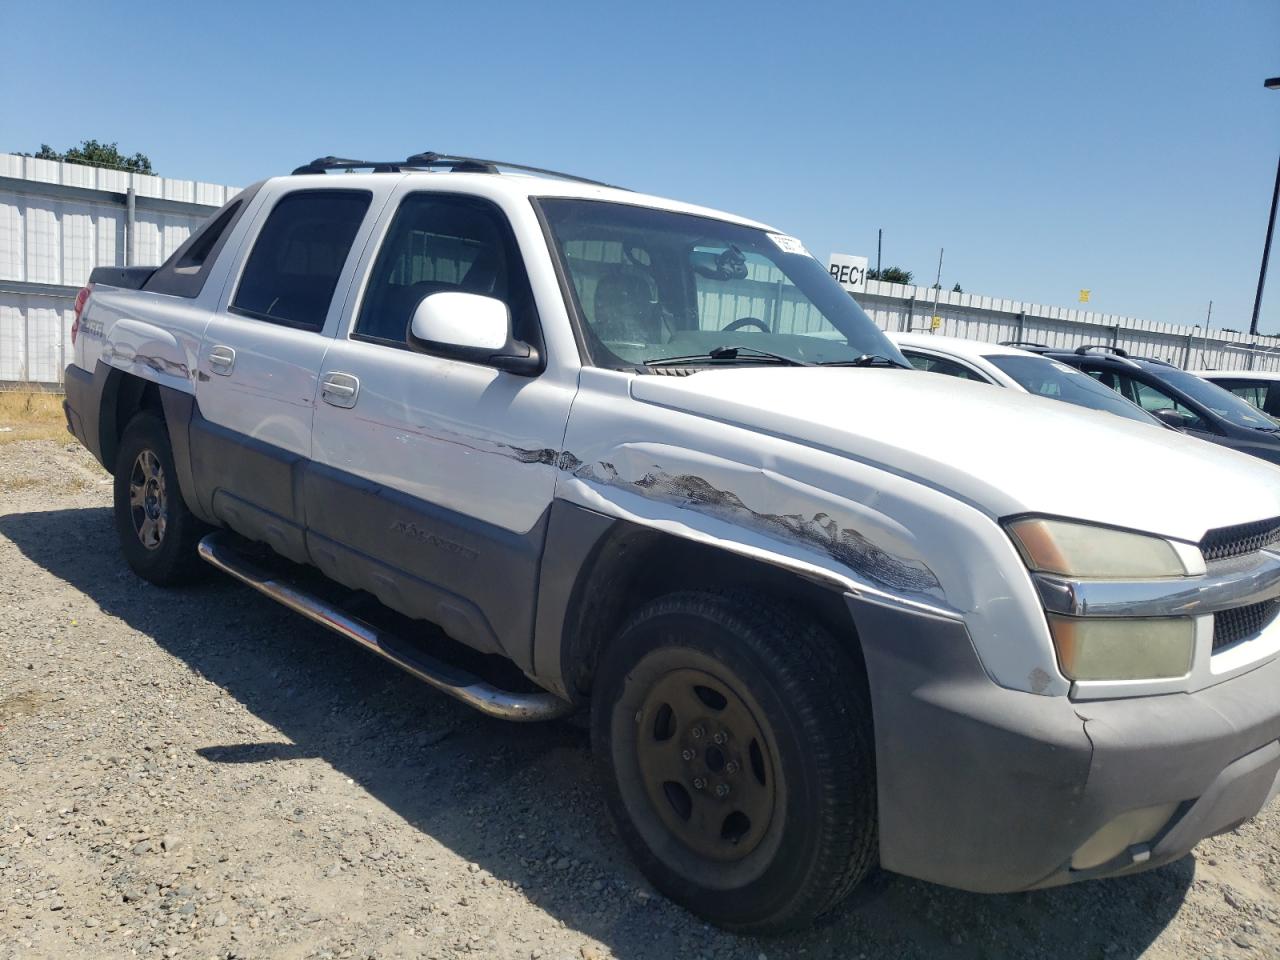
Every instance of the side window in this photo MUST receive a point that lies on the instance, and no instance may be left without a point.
(293, 268)
(184, 273)
(1104, 377)
(1255, 393)
(948, 368)
(438, 243)
(1152, 398)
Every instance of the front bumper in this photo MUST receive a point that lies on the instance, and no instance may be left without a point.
(995, 790)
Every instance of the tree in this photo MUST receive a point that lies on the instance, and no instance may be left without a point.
(890, 275)
(94, 154)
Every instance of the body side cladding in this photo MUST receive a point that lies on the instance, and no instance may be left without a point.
(486, 576)
(178, 409)
(257, 473)
(575, 538)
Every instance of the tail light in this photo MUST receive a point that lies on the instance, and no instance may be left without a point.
(81, 299)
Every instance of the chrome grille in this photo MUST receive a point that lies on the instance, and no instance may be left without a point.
(1243, 538)
(1232, 626)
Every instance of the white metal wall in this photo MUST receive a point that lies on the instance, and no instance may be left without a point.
(60, 220)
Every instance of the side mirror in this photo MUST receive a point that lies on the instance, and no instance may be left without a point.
(468, 326)
(1171, 418)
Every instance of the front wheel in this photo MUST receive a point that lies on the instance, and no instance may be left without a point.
(157, 533)
(735, 742)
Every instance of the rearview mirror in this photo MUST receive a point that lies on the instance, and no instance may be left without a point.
(471, 327)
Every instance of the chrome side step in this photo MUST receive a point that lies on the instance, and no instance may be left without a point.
(474, 692)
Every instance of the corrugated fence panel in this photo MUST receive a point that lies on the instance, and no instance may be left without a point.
(57, 222)
(13, 339)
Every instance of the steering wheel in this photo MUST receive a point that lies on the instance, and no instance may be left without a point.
(744, 322)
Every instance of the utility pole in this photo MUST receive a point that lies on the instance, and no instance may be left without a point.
(937, 288)
(879, 244)
(1271, 84)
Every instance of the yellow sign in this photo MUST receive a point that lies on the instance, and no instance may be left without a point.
(936, 324)
(1084, 296)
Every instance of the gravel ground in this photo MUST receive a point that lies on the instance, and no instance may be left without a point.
(201, 773)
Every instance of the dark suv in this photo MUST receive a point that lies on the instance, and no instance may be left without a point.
(1180, 399)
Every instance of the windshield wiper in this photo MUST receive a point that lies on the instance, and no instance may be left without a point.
(717, 354)
(868, 360)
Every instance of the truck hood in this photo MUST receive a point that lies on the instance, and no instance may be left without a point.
(1003, 451)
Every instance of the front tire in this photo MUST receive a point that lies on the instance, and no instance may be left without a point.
(157, 533)
(735, 742)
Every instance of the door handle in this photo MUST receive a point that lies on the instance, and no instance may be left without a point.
(339, 389)
(221, 360)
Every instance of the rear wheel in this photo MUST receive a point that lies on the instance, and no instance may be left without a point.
(736, 748)
(157, 533)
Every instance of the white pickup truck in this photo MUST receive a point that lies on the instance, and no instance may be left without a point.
(827, 612)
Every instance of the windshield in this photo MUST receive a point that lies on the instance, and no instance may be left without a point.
(1222, 402)
(1048, 378)
(653, 285)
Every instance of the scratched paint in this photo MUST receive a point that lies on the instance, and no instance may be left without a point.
(819, 530)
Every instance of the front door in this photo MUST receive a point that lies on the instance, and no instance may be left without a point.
(432, 478)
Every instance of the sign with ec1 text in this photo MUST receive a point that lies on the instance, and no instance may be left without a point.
(850, 272)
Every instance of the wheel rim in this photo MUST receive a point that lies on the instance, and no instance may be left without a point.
(148, 502)
(705, 764)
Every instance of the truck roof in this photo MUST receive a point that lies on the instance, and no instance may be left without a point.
(516, 185)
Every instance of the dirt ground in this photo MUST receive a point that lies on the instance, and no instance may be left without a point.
(201, 773)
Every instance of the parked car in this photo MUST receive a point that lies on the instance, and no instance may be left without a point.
(1262, 389)
(1181, 399)
(648, 457)
(1015, 369)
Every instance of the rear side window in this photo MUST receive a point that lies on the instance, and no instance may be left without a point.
(294, 266)
(184, 273)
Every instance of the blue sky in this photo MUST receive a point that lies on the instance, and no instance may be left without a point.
(1125, 147)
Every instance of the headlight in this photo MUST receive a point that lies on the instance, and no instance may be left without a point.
(1092, 648)
(1089, 552)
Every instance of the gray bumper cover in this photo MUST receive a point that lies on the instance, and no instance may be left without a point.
(993, 790)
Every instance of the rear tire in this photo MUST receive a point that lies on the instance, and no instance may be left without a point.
(735, 742)
(158, 534)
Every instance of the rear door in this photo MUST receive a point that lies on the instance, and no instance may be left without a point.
(1152, 396)
(260, 358)
(432, 478)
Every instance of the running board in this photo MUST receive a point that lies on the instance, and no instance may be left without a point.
(471, 690)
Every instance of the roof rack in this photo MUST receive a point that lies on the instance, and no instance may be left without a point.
(1023, 343)
(1103, 347)
(429, 160)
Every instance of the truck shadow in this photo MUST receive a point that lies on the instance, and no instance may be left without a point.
(521, 801)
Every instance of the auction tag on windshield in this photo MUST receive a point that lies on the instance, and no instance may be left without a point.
(788, 244)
